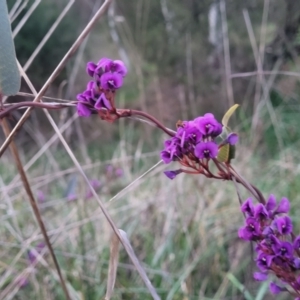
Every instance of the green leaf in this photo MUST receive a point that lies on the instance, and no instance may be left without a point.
(223, 154)
(226, 153)
(10, 79)
(228, 114)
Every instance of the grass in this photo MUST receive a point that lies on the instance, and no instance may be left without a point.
(184, 232)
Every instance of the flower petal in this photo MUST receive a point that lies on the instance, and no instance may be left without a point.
(260, 276)
(172, 174)
(284, 206)
(276, 289)
(83, 110)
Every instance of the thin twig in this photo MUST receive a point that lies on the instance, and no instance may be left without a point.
(34, 206)
(57, 71)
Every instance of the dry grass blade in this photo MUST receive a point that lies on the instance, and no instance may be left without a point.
(123, 240)
(255, 73)
(35, 209)
(229, 88)
(49, 33)
(100, 203)
(134, 181)
(140, 269)
(56, 72)
(26, 16)
(113, 265)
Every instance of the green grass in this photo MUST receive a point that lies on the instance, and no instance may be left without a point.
(184, 231)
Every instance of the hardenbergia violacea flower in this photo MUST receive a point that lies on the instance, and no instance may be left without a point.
(202, 146)
(277, 247)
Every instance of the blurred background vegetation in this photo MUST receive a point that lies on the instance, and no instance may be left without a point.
(185, 58)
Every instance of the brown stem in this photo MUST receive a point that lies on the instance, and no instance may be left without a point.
(34, 206)
(151, 118)
(25, 104)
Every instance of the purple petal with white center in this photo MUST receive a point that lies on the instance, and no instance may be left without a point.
(284, 250)
(250, 231)
(264, 261)
(260, 276)
(208, 125)
(284, 225)
(284, 206)
(111, 81)
(83, 110)
(206, 150)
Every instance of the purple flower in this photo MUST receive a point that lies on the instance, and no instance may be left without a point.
(90, 68)
(284, 225)
(283, 249)
(91, 85)
(274, 241)
(248, 207)
(208, 125)
(172, 174)
(23, 282)
(171, 150)
(250, 231)
(261, 212)
(283, 207)
(296, 243)
(111, 81)
(109, 169)
(260, 276)
(118, 66)
(232, 138)
(103, 102)
(103, 66)
(40, 196)
(264, 261)
(83, 110)
(189, 133)
(296, 263)
(206, 150)
(32, 255)
(96, 184)
(166, 156)
(119, 172)
(276, 289)
(271, 203)
(267, 231)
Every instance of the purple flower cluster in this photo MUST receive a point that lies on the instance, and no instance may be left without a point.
(277, 249)
(195, 139)
(107, 78)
